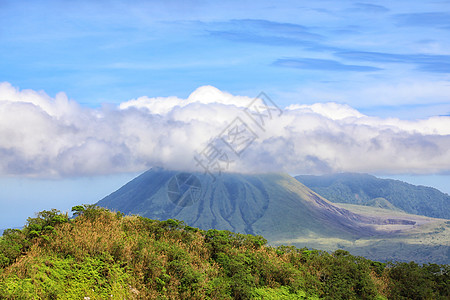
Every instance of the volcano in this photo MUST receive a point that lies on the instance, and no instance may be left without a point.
(274, 205)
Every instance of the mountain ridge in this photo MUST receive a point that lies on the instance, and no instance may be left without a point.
(356, 188)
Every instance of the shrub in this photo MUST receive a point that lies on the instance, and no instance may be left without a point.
(138, 258)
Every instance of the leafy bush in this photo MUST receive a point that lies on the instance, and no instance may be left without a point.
(44, 223)
(412, 281)
(12, 244)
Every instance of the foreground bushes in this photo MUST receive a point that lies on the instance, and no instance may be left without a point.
(104, 255)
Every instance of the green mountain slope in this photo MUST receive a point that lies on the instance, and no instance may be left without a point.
(105, 255)
(362, 189)
(380, 202)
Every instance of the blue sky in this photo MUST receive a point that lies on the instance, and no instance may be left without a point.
(385, 59)
(297, 51)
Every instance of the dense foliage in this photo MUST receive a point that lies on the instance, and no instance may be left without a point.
(104, 255)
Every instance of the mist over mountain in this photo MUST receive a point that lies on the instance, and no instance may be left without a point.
(365, 189)
(170, 131)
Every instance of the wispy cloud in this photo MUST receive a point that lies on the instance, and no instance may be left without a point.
(266, 32)
(369, 8)
(270, 27)
(56, 137)
(322, 65)
(427, 19)
(107, 53)
(247, 37)
(423, 62)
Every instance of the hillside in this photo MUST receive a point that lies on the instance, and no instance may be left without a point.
(284, 211)
(55, 257)
(363, 189)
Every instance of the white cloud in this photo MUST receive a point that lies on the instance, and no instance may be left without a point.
(43, 136)
(386, 94)
(330, 110)
(202, 95)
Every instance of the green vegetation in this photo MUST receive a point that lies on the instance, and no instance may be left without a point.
(364, 189)
(105, 255)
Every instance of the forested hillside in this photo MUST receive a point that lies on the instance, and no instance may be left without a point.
(105, 255)
(365, 189)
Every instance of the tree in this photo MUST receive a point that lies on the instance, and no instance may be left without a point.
(78, 210)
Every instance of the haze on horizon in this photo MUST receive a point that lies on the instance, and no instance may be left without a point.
(92, 93)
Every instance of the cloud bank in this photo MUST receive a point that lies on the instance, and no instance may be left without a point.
(42, 136)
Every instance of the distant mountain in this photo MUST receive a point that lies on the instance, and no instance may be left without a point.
(284, 211)
(273, 205)
(364, 189)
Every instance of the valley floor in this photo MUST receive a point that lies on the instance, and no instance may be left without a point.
(427, 240)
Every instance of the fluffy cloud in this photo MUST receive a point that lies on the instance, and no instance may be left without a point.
(43, 136)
